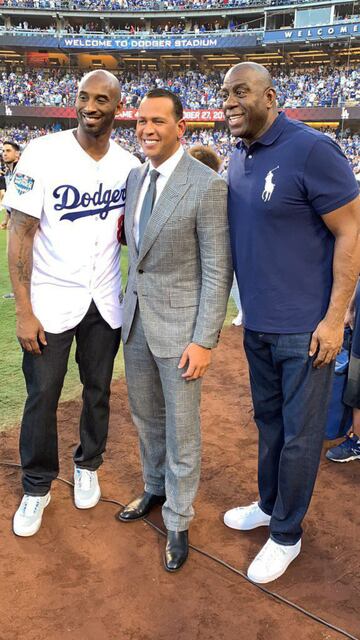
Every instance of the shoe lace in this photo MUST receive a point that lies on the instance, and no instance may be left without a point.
(271, 551)
(254, 506)
(350, 442)
(84, 479)
(30, 505)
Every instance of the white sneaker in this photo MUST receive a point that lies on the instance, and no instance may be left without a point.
(238, 320)
(27, 519)
(86, 488)
(272, 561)
(246, 518)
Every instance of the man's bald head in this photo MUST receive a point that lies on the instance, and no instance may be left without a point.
(98, 101)
(105, 77)
(249, 100)
(253, 69)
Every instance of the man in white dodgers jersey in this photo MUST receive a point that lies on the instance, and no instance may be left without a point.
(66, 197)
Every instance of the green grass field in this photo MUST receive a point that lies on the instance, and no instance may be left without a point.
(12, 394)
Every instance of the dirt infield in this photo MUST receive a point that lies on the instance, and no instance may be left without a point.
(86, 576)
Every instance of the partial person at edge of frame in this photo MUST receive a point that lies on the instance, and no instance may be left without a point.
(349, 449)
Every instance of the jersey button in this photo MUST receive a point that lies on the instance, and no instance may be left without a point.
(141, 270)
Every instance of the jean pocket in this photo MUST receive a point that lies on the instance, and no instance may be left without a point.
(294, 344)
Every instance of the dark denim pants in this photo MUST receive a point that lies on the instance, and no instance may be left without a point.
(96, 347)
(290, 400)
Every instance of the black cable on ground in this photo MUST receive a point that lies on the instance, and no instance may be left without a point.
(222, 563)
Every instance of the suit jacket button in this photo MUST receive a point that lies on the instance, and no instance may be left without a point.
(135, 293)
(141, 270)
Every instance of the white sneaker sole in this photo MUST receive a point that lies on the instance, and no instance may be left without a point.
(30, 531)
(87, 504)
(347, 459)
(273, 576)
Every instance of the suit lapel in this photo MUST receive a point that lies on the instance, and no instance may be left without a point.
(175, 188)
(135, 182)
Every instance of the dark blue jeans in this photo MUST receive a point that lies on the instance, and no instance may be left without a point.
(96, 347)
(290, 400)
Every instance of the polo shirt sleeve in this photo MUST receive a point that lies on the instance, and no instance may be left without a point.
(26, 188)
(328, 178)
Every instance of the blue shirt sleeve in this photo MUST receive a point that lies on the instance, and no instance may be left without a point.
(328, 178)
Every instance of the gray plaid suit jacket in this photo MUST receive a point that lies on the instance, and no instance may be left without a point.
(182, 275)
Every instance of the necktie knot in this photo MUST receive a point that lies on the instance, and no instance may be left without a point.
(153, 175)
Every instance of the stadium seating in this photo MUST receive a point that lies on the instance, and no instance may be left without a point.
(318, 86)
(219, 139)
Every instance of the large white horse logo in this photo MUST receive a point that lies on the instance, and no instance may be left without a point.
(269, 185)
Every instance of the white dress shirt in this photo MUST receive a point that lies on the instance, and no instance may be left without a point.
(165, 169)
(78, 201)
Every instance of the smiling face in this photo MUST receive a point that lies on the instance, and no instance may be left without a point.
(97, 103)
(157, 129)
(249, 101)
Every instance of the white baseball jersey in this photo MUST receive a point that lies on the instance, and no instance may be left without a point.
(78, 200)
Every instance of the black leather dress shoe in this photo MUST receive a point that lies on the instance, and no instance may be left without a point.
(140, 507)
(176, 550)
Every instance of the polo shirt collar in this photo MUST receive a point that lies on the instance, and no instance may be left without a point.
(270, 135)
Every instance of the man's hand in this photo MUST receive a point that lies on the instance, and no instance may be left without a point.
(349, 318)
(30, 333)
(198, 358)
(326, 341)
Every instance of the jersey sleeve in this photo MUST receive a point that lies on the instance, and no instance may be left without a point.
(135, 162)
(329, 180)
(26, 188)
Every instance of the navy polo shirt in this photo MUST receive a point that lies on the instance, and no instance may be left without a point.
(279, 190)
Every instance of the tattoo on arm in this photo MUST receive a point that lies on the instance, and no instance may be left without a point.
(23, 227)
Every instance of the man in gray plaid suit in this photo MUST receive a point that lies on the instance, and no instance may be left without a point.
(180, 274)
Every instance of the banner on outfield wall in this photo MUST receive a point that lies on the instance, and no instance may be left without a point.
(310, 114)
(95, 42)
(327, 32)
(196, 115)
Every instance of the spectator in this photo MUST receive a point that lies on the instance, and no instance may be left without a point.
(207, 156)
(349, 449)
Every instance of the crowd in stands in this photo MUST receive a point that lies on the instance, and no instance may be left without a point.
(143, 5)
(350, 144)
(218, 139)
(314, 87)
(169, 28)
(96, 26)
(320, 86)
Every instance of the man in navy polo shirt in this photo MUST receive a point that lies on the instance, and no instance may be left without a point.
(294, 222)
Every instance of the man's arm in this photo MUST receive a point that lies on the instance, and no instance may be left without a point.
(217, 275)
(21, 239)
(344, 224)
